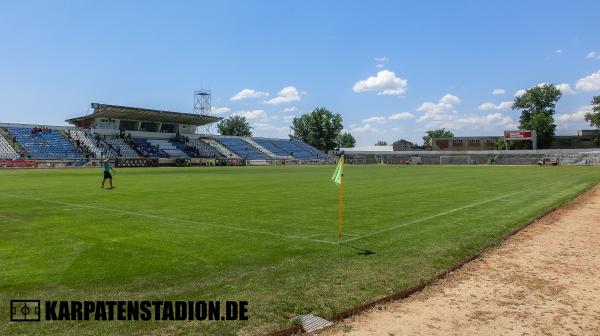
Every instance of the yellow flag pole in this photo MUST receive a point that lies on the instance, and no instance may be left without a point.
(340, 209)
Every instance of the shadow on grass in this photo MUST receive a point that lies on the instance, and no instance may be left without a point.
(361, 251)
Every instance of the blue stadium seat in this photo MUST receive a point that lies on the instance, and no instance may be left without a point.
(47, 144)
(310, 149)
(148, 149)
(292, 148)
(242, 148)
(270, 145)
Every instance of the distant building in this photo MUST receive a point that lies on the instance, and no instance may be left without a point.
(588, 133)
(583, 139)
(465, 143)
(368, 149)
(403, 145)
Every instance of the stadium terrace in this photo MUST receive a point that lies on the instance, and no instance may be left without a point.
(141, 137)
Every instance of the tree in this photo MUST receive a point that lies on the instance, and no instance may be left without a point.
(594, 117)
(438, 133)
(346, 140)
(235, 125)
(537, 107)
(319, 128)
(500, 144)
(381, 143)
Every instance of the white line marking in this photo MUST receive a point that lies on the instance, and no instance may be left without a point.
(273, 233)
(232, 228)
(444, 213)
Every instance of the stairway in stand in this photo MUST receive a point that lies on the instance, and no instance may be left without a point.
(260, 148)
(222, 149)
(15, 145)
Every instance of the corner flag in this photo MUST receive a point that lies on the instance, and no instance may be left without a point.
(338, 178)
(339, 171)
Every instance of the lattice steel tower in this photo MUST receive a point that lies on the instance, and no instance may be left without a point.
(202, 106)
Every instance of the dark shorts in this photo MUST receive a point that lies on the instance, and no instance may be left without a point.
(107, 175)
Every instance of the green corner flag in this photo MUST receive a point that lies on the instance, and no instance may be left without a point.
(339, 171)
(338, 178)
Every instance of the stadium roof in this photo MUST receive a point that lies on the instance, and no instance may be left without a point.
(143, 114)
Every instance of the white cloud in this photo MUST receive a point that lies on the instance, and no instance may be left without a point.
(593, 55)
(443, 114)
(519, 93)
(498, 92)
(487, 106)
(220, 110)
(402, 116)
(376, 119)
(450, 99)
(289, 117)
(254, 114)
(558, 51)
(385, 83)
(577, 116)
(269, 127)
(381, 59)
(565, 88)
(440, 111)
(589, 83)
(490, 121)
(383, 120)
(289, 109)
(366, 128)
(379, 65)
(249, 93)
(491, 106)
(286, 95)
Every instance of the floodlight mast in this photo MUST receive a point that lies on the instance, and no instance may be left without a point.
(202, 106)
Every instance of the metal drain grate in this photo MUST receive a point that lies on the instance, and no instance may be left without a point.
(312, 322)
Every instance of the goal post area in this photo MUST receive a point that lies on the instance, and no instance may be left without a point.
(455, 160)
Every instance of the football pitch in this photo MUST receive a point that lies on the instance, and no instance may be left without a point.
(266, 235)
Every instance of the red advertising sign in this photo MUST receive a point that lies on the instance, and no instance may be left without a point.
(17, 163)
(518, 135)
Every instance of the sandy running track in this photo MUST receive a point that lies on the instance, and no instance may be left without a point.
(545, 280)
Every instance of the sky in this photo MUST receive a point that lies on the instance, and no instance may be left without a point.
(392, 69)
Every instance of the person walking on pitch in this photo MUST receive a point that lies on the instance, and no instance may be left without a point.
(107, 175)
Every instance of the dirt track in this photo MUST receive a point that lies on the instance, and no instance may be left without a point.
(545, 280)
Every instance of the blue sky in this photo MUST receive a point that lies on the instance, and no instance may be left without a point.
(392, 69)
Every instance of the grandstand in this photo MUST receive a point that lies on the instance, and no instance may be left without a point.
(87, 142)
(164, 137)
(119, 145)
(292, 148)
(203, 149)
(315, 153)
(44, 143)
(122, 132)
(272, 147)
(226, 152)
(242, 148)
(262, 149)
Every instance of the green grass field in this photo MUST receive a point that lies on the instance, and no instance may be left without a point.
(262, 234)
